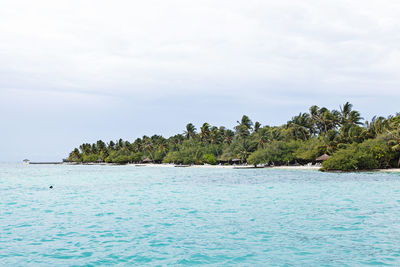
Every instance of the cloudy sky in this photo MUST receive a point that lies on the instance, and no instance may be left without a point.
(78, 71)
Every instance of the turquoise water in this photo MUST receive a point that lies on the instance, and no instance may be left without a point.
(125, 215)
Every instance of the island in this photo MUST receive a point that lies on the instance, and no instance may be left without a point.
(338, 139)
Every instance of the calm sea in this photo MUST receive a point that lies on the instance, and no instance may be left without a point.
(126, 215)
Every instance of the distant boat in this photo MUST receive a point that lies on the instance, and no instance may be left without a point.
(26, 161)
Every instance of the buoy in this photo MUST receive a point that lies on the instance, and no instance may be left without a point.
(51, 187)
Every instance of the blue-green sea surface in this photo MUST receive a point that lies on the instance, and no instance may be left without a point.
(127, 215)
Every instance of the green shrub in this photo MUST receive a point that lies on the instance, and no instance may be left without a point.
(342, 160)
(89, 158)
(257, 157)
(309, 150)
(354, 157)
(210, 159)
(171, 157)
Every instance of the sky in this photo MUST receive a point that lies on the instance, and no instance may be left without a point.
(78, 71)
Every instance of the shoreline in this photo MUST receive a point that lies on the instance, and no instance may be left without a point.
(207, 166)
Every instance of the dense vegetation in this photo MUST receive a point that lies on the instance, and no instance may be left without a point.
(351, 144)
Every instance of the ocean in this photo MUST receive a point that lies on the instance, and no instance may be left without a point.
(157, 216)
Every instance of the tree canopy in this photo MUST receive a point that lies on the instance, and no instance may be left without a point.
(351, 143)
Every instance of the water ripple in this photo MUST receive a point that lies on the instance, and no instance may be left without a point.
(122, 215)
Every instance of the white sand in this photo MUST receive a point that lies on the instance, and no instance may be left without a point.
(229, 166)
(166, 165)
(173, 165)
(316, 168)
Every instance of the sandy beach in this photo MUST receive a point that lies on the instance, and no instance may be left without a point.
(310, 168)
(228, 166)
(167, 165)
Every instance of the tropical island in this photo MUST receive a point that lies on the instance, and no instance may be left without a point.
(338, 138)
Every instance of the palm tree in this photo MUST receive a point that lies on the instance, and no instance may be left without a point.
(317, 117)
(376, 126)
(300, 126)
(257, 126)
(137, 145)
(355, 118)
(244, 149)
(228, 136)
(222, 130)
(215, 135)
(347, 115)
(74, 155)
(275, 132)
(244, 126)
(245, 121)
(190, 131)
(163, 146)
(205, 132)
(357, 134)
(345, 112)
(111, 145)
(176, 140)
(85, 148)
(148, 146)
(262, 137)
(331, 140)
(323, 119)
(394, 124)
(101, 146)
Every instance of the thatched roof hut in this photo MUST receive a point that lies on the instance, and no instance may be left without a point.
(147, 160)
(236, 161)
(322, 157)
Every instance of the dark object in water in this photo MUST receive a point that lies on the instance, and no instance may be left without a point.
(51, 187)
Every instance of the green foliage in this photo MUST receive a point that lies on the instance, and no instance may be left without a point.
(90, 157)
(370, 154)
(342, 160)
(124, 156)
(281, 152)
(382, 150)
(257, 157)
(210, 159)
(354, 157)
(339, 133)
(309, 150)
(276, 152)
(171, 157)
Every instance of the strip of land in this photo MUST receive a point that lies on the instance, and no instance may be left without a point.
(208, 166)
(339, 140)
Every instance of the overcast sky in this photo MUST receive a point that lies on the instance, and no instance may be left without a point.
(78, 71)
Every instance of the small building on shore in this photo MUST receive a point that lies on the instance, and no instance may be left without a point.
(322, 158)
(147, 160)
(236, 161)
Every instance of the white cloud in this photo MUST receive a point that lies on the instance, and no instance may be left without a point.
(172, 46)
(100, 66)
